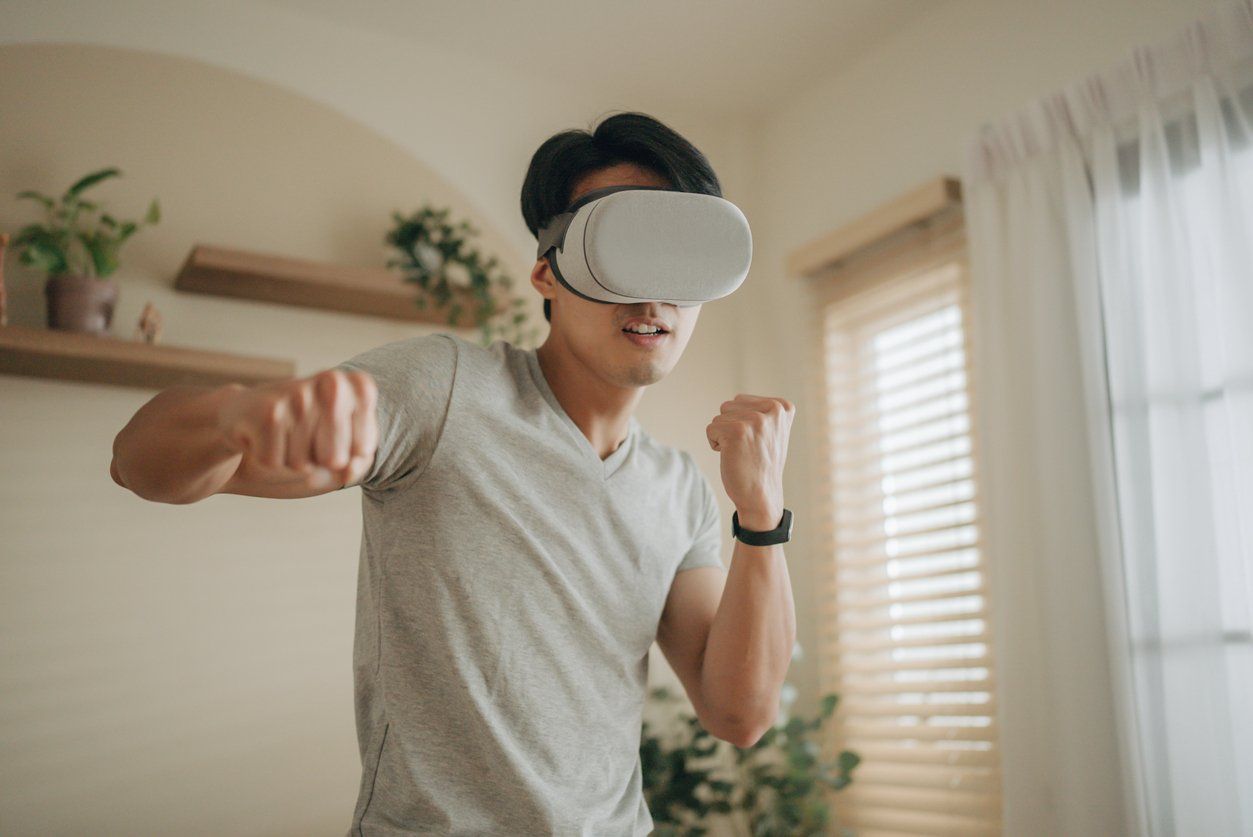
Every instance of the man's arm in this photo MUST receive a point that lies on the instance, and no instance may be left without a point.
(288, 439)
(728, 635)
(734, 662)
(171, 450)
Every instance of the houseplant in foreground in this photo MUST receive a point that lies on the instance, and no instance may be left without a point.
(77, 254)
(436, 255)
(776, 786)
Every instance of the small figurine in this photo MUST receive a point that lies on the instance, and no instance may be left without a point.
(149, 326)
(4, 316)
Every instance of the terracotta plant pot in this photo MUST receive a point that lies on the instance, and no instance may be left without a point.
(80, 303)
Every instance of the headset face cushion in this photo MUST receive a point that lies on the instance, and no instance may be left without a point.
(637, 245)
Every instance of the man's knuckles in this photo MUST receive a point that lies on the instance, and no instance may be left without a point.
(769, 403)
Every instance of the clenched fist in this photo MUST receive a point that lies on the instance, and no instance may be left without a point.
(751, 434)
(319, 430)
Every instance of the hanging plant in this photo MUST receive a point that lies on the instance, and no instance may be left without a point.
(435, 254)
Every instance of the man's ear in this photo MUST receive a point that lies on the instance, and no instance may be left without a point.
(543, 280)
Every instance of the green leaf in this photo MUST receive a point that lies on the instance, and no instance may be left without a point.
(94, 250)
(44, 199)
(154, 213)
(800, 758)
(90, 180)
(30, 232)
(103, 253)
(48, 250)
(828, 703)
(45, 256)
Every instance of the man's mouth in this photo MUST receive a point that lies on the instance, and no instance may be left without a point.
(652, 339)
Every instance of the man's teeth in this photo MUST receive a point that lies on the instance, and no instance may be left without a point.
(643, 329)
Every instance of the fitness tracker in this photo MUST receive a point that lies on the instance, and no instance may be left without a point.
(780, 534)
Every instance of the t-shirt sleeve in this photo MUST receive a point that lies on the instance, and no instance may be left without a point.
(706, 549)
(414, 380)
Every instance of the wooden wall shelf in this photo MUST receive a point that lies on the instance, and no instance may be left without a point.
(102, 359)
(379, 292)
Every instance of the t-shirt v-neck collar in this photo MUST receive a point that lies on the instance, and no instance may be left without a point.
(610, 464)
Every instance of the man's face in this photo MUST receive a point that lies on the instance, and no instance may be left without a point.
(593, 331)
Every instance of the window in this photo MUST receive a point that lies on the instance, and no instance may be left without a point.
(1172, 207)
(905, 636)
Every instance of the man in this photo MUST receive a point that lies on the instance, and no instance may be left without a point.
(524, 539)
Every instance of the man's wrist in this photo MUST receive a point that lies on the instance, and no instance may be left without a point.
(223, 399)
(759, 521)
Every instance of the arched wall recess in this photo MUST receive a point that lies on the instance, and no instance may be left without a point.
(235, 161)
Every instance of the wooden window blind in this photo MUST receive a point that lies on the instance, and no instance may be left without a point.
(905, 633)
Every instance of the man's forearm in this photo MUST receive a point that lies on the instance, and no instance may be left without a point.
(171, 450)
(750, 640)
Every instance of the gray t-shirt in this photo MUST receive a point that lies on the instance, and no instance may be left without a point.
(511, 582)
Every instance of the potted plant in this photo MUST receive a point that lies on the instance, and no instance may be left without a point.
(77, 255)
(435, 254)
(776, 786)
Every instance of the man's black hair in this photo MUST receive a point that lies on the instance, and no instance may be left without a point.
(622, 138)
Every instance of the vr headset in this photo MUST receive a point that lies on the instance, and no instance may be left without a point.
(648, 243)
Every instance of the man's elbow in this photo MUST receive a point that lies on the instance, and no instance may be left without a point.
(743, 733)
(145, 494)
(746, 737)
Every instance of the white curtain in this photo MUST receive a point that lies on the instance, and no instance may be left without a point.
(1111, 241)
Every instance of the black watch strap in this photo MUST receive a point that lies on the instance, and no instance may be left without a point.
(780, 534)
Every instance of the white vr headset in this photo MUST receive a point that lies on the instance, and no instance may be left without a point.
(648, 243)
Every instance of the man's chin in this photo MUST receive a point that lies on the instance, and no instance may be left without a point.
(644, 373)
